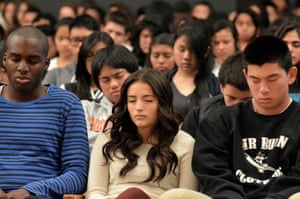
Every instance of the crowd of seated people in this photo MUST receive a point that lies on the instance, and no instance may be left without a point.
(173, 100)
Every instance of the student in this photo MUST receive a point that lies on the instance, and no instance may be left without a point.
(119, 26)
(145, 31)
(62, 44)
(110, 68)
(289, 32)
(49, 32)
(144, 149)
(3, 75)
(251, 150)
(234, 89)
(248, 26)
(80, 28)
(192, 79)
(84, 87)
(202, 10)
(44, 147)
(224, 43)
(161, 56)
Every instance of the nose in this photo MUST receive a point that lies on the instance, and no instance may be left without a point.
(161, 59)
(139, 105)
(186, 54)
(264, 87)
(114, 83)
(23, 67)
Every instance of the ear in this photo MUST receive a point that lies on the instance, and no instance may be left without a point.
(245, 72)
(292, 74)
(47, 63)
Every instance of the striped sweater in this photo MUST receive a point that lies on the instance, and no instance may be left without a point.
(43, 145)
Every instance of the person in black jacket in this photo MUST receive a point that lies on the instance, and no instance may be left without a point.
(233, 86)
(252, 150)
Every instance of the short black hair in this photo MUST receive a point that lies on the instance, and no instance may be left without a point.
(85, 21)
(231, 72)
(115, 56)
(268, 49)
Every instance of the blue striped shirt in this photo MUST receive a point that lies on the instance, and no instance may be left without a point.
(43, 145)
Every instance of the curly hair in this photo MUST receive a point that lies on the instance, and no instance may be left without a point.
(161, 159)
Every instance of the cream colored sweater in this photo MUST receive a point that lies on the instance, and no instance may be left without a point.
(104, 180)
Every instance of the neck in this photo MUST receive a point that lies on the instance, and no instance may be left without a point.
(12, 95)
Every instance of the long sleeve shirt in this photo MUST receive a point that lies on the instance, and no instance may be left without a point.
(43, 145)
(105, 182)
(242, 154)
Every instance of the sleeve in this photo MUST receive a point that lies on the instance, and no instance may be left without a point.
(98, 179)
(212, 159)
(72, 177)
(187, 179)
(191, 120)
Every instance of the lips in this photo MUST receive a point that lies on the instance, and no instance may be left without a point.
(139, 117)
(264, 100)
(22, 80)
(115, 93)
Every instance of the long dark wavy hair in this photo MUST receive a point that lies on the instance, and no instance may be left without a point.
(161, 159)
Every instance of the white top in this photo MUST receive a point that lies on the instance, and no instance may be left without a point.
(104, 180)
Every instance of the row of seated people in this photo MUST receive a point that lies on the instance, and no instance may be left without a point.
(143, 128)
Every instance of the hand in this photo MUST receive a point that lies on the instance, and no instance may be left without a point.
(2, 194)
(17, 194)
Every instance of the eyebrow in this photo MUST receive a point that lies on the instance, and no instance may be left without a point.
(270, 76)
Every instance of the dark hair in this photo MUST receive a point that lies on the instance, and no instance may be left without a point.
(33, 9)
(2, 51)
(287, 26)
(161, 39)
(268, 49)
(63, 22)
(46, 16)
(205, 3)
(48, 30)
(124, 136)
(198, 35)
(85, 21)
(83, 78)
(120, 18)
(263, 15)
(182, 7)
(116, 57)
(162, 9)
(231, 72)
(99, 10)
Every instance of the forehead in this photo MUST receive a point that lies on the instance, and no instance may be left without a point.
(25, 45)
(115, 26)
(265, 69)
(107, 71)
(182, 40)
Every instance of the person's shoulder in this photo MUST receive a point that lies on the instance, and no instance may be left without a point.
(183, 137)
(57, 92)
(183, 143)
